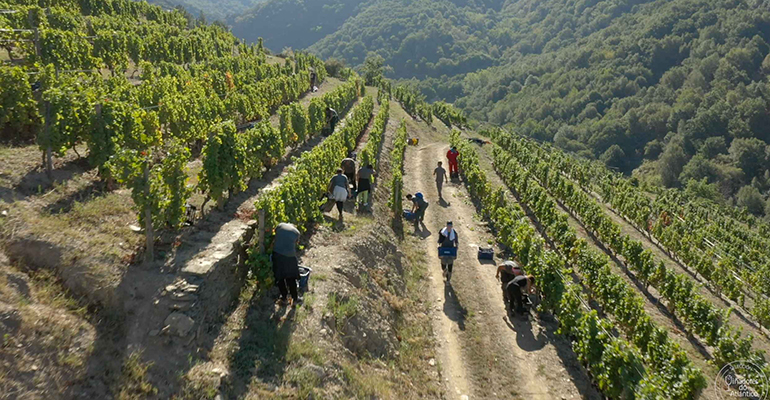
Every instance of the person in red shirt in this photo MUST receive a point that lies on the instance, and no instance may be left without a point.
(451, 155)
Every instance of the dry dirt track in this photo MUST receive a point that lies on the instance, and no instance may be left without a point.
(482, 353)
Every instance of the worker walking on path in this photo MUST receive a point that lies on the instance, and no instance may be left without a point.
(348, 166)
(452, 155)
(440, 174)
(447, 238)
(285, 263)
(340, 189)
(365, 175)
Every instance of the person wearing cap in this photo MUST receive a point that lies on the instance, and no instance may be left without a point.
(447, 237)
(508, 270)
(419, 205)
(348, 166)
(452, 155)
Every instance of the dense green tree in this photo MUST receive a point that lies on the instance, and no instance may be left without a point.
(614, 157)
(748, 155)
(374, 68)
(334, 67)
(713, 146)
(750, 198)
(701, 188)
(698, 168)
(671, 164)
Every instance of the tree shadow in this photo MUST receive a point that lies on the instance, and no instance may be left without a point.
(36, 179)
(262, 347)
(66, 203)
(452, 307)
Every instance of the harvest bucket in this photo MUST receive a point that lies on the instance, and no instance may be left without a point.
(304, 276)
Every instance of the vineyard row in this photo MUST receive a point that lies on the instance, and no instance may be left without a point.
(616, 366)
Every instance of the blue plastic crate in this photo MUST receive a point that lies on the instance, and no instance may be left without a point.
(447, 252)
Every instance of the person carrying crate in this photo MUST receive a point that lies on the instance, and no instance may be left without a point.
(447, 249)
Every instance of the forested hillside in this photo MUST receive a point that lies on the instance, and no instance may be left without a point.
(681, 82)
(211, 10)
(292, 23)
(678, 88)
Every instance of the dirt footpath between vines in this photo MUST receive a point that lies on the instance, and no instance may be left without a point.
(483, 353)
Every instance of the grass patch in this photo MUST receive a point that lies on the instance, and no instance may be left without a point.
(366, 383)
(304, 349)
(133, 379)
(305, 380)
(320, 276)
(306, 308)
(49, 291)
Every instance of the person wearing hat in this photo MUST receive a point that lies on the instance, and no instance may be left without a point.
(447, 237)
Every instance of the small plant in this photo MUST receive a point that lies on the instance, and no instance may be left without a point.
(342, 309)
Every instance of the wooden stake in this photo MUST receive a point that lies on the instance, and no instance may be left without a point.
(148, 215)
(47, 132)
(261, 231)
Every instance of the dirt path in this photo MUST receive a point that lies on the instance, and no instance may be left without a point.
(481, 350)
